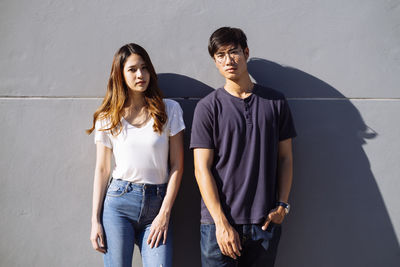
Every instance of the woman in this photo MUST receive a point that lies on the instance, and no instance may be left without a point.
(141, 130)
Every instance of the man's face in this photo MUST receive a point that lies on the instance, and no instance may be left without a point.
(231, 61)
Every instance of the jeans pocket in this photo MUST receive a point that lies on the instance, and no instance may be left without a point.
(117, 188)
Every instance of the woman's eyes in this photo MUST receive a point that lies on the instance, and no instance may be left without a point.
(135, 69)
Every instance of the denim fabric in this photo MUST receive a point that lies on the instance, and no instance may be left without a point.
(259, 247)
(128, 212)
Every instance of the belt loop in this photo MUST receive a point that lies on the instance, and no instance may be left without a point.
(158, 190)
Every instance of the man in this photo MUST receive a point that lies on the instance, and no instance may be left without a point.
(242, 142)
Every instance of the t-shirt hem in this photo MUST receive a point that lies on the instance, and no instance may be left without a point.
(240, 221)
(177, 131)
(287, 137)
(103, 143)
(201, 146)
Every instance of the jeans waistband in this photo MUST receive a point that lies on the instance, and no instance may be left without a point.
(141, 187)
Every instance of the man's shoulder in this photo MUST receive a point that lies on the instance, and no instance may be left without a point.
(209, 100)
(268, 93)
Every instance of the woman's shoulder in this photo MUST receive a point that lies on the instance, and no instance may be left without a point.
(171, 105)
(102, 123)
(170, 102)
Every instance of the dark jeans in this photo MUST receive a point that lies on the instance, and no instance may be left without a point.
(258, 247)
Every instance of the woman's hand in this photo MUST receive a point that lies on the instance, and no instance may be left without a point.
(158, 230)
(97, 237)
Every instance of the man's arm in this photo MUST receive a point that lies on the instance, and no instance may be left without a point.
(227, 237)
(285, 176)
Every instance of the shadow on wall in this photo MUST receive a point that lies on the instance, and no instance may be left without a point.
(338, 216)
(186, 212)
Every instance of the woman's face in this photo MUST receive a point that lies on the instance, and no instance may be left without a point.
(136, 74)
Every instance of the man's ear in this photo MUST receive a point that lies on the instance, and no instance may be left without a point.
(246, 53)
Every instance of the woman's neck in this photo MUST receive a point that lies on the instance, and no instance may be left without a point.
(135, 101)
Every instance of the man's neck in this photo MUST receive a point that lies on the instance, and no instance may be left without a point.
(241, 88)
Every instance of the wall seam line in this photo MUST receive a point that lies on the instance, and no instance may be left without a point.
(198, 98)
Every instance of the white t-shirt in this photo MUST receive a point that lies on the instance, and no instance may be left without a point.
(141, 155)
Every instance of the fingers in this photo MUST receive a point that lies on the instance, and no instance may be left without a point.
(266, 223)
(150, 238)
(159, 236)
(225, 250)
(236, 246)
(102, 250)
(165, 237)
(95, 243)
(231, 248)
(155, 237)
(101, 239)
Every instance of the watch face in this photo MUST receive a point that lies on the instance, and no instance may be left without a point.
(287, 209)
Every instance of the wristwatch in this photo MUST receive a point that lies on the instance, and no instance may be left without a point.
(285, 205)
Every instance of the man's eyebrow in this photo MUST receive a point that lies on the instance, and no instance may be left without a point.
(228, 50)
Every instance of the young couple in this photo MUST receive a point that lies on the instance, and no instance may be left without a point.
(242, 143)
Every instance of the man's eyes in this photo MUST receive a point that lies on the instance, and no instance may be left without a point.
(232, 52)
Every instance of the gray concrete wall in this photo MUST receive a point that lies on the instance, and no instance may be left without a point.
(336, 61)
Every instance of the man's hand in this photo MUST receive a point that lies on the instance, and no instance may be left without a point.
(276, 216)
(228, 240)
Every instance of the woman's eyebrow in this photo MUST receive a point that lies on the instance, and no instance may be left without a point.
(136, 65)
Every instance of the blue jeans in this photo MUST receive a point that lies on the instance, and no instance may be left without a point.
(259, 247)
(128, 212)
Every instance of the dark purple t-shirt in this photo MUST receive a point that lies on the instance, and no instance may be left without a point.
(244, 134)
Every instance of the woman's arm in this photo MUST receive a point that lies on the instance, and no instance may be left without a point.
(101, 176)
(159, 227)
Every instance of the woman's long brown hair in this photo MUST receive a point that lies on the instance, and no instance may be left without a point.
(117, 93)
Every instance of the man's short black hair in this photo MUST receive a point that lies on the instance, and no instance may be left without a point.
(226, 36)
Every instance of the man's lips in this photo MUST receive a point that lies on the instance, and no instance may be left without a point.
(230, 69)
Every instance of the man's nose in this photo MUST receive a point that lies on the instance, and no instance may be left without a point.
(228, 59)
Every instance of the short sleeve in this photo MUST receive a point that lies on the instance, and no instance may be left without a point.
(102, 136)
(286, 125)
(202, 128)
(175, 118)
